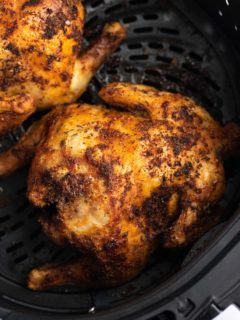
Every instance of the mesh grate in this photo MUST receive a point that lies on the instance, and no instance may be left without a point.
(165, 50)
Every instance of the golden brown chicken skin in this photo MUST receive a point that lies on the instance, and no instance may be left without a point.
(40, 44)
(123, 182)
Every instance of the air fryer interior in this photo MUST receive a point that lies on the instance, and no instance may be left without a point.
(171, 46)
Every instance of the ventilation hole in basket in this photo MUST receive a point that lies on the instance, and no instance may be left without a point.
(22, 208)
(21, 259)
(139, 57)
(212, 84)
(87, 97)
(17, 225)
(2, 233)
(36, 233)
(176, 49)
(96, 3)
(21, 191)
(167, 315)
(171, 78)
(112, 71)
(191, 68)
(130, 19)
(130, 69)
(113, 8)
(152, 84)
(91, 22)
(155, 45)
(15, 247)
(4, 218)
(57, 255)
(152, 72)
(138, 2)
(150, 16)
(207, 102)
(143, 30)
(39, 247)
(164, 59)
(33, 214)
(170, 31)
(195, 56)
(134, 46)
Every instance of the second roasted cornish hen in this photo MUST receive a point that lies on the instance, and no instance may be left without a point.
(41, 58)
(122, 182)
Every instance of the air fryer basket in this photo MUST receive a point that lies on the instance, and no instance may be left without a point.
(173, 46)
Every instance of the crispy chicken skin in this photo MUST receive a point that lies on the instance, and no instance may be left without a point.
(123, 182)
(40, 43)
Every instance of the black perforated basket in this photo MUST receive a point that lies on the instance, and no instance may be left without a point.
(175, 46)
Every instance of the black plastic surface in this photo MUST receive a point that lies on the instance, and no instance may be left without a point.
(173, 46)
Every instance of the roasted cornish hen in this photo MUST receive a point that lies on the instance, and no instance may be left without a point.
(40, 43)
(115, 184)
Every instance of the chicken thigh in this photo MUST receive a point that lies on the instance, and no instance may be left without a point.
(116, 184)
(40, 44)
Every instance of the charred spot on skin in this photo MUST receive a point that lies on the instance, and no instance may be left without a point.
(106, 170)
(11, 71)
(64, 76)
(74, 12)
(65, 189)
(144, 125)
(102, 146)
(147, 153)
(183, 114)
(110, 245)
(111, 133)
(156, 162)
(54, 24)
(11, 29)
(62, 144)
(49, 11)
(50, 59)
(185, 170)
(192, 185)
(179, 143)
(165, 105)
(31, 3)
(30, 49)
(156, 209)
(39, 80)
(177, 163)
(13, 49)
